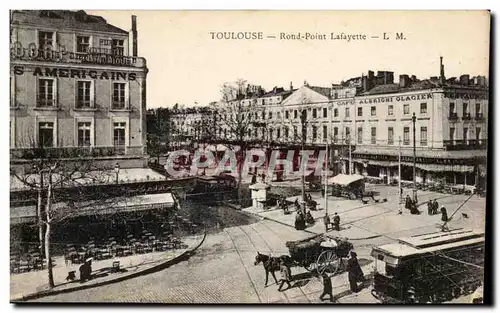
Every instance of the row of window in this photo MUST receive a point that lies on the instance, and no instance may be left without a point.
(323, 112)
(360, 140)
(46, 94)
(46, 134)
(465, 109)
(83, 43)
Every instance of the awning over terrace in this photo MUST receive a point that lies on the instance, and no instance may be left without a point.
(26, 214)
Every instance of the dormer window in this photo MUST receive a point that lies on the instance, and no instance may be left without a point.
(82, 44)
(45, 39)
(117, 47)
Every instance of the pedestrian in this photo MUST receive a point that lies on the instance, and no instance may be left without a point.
(336, 222)
(327, 287)
(322, 192)
(309, 218)
(355, 273)
(286, 276)
(430, 207)
(435, 207)
(407, 202)
(444, 219)
(326, 221)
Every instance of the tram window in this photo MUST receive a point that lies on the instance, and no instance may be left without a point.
(389, 270)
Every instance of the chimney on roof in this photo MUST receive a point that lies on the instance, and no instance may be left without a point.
(464, 80)
(413, 78)
(134, 35)
(441, 73)
(291, 86)
(404, 81)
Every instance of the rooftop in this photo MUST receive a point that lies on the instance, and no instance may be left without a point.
(65, 19)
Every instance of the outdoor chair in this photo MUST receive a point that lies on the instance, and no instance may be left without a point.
(126, 251)
(115, 267)
(24, 266)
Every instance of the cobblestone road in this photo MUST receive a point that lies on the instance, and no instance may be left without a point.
(222, 271)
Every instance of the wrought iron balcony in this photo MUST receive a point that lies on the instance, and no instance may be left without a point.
(469, 144)
(453, 116)
(479, 117)
(466, 116)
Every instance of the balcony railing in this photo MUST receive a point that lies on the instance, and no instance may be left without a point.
(69, 152)
(390, 142)
(466, 116)
(453, 116)
(469, 144)
(46, 103)
(423, 142)
(479, 117)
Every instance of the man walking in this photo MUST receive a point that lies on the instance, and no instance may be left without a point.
(336, 222)
(435, 207)
(286, 276)
(327, 287)
(430, 207)
(326, 221)
(444, 219)
(355, 271)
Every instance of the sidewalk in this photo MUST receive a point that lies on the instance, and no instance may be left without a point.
(360, 221)
(31, 284)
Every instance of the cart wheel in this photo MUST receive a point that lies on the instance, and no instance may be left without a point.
(328, 262)
(311, 267)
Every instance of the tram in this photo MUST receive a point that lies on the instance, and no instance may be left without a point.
(429, 268)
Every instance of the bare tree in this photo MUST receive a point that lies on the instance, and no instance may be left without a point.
(62, 186)
(236, 115)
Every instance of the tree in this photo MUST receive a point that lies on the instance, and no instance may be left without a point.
(62, 186)
(235, 114)
(159, 130)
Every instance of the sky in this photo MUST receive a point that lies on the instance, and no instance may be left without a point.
(187, 66)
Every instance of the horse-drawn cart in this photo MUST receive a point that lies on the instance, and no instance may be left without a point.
(319, 253)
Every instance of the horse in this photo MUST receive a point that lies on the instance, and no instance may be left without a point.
(271, 264)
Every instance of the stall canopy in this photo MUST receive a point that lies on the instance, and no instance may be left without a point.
(118, 205)
(344, 180)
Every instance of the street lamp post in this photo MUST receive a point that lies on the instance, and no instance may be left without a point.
(303, 134)
(117, 170)
(414, 118)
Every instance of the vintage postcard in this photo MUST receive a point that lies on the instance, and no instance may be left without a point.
(249, 157)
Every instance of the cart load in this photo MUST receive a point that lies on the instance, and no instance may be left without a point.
(319, 253)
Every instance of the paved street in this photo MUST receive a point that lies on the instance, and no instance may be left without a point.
(222, 271)
(359, 221)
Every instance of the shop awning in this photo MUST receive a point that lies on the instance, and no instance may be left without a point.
(342, 179)
(428, 153)
(424, 167)
(442, 167)
(110, 206)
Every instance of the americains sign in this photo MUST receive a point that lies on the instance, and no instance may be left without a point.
(59, 53)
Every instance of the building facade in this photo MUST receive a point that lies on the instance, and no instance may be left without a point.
(368, 122)
(78, 88)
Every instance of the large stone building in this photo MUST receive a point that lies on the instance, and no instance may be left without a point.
(372, 116)
(77, 87)
(191, 125)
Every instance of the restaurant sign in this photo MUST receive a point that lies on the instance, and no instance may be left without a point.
(59, 53)
(416, 97)
(466, 95)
